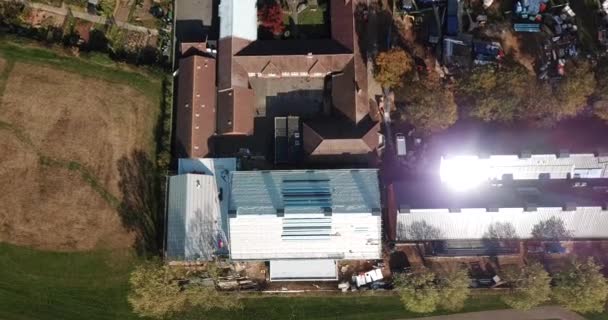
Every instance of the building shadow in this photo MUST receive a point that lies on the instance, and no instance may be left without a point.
(142, 201)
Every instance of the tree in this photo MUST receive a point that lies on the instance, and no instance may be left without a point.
(13, 13)
(427, 105)
(454, 289)
(581, 287)
(496, 95)
(600, 108)
(550, 229)
(418, 291)
(391, 66)
(510, 93)
(270, 16)
(574, 90)
(530, 286)
(424, 291)
(156, 292)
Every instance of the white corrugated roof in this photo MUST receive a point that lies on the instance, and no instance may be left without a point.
(260, 237)
(475, 223)
(496, 166)
(194, 229)
(303, 270)
(238, 19)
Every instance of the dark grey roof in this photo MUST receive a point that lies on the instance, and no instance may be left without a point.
(514, 194)
(582, 135)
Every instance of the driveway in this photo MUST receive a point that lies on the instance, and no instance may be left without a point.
(541, 313)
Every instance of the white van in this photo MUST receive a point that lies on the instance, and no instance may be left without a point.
(400, 144)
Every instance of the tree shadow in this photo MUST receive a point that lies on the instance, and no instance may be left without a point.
(420, 231)
(142, 201)
(361, 12)
(501, 237)
(204, 238)
(552, 229)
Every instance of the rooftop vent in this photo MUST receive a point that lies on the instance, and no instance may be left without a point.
(570, 206)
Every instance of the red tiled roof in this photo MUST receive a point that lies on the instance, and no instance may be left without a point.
(240, 58)
(196, 106)
(293, 63)
(270, 69)
(343, 22)
(318, 68)
(334, 136)
(230, 75)
(236, 111)
(187, 48)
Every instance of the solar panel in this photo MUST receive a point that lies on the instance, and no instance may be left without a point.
(306, 193)
(306, 228)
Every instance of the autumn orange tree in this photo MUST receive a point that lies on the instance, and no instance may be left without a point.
(391, 66)
(270, 16)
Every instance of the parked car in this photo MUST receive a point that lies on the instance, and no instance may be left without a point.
(407, 5)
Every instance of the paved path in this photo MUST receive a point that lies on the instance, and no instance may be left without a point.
(63, 11)
(540, 313)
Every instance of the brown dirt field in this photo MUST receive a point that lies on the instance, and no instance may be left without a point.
(2, 64)
(66, 117)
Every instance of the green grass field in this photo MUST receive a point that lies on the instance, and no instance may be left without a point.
(346, 307)
(94, 285)
(49, 285)
(98, 66)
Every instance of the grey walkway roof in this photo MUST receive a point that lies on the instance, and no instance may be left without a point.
(194, 229)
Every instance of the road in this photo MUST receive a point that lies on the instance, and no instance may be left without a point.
(549, 312)
(63, 11)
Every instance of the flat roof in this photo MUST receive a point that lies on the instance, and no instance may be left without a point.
(196, 20)
(303, 270)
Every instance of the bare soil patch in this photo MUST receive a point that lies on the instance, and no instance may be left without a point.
(64, 116)
(123, 10)
(2, 65)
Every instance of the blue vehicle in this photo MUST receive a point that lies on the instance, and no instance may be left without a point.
(452, 25)
(429, 3)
